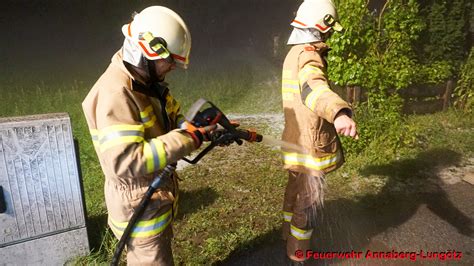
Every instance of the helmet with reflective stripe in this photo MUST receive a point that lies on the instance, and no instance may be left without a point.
(318, 14)
(161, 34)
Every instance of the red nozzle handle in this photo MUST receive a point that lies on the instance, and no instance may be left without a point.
(249, 135)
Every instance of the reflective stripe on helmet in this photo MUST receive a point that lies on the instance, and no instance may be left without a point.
(151, 54)
(299, 22)
(322, 28)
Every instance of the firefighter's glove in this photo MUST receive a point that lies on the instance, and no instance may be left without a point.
(199, 134)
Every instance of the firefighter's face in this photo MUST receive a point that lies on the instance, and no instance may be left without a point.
(163, 67)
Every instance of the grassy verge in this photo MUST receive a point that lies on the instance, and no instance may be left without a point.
(438, 140)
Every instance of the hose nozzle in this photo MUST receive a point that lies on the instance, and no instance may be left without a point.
(249, 135)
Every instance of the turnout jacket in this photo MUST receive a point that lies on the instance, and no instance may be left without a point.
(310, 107)
(135, 138)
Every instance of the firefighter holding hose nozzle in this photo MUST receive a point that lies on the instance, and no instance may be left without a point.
(137, 129)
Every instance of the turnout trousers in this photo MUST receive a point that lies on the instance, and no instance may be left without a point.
(150, 240)
(304, 195)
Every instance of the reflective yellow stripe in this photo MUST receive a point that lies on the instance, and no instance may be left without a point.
(313, 97)
(172, 106)
(287, 216)
(287, 74)
(291, 158)
(151, 122)
(119, 134)
(144, 228)
(111, 129)
(120, 141)
(95, 137)
(147, 111)
(290, 85)
(300, 234)
(155, 155)
(148, 117)
(308, 70)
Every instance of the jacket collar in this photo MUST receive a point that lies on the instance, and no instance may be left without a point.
(320, 47)
(135, 78)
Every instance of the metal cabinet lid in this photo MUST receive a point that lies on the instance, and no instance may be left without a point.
(40, 178)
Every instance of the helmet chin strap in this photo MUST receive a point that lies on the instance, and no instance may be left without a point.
(151, 71)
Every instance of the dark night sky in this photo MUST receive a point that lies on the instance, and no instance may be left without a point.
(46, 40)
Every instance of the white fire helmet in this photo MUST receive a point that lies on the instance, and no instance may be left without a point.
(318, 14)
(160, 33)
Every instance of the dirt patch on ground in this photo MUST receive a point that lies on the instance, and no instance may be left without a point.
(458, 173)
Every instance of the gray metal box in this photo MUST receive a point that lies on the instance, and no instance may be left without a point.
(43, 219)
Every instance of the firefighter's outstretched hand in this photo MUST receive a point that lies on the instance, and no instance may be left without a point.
(199, 134)
(345, 126)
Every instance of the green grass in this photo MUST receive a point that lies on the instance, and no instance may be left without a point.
(439, 140)
(240, 200)
(231, 201)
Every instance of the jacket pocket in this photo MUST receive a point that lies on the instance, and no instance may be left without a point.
(325, 137)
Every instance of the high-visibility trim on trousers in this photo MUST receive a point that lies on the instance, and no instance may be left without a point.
(144, 228)
(287, 216)
(300, 234)
(292, 158)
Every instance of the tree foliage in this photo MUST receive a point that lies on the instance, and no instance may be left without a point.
(443, 43)
(377, 49)
(405, 42)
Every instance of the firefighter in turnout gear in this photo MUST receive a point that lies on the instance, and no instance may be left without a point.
(137, 129)
(314, 115)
